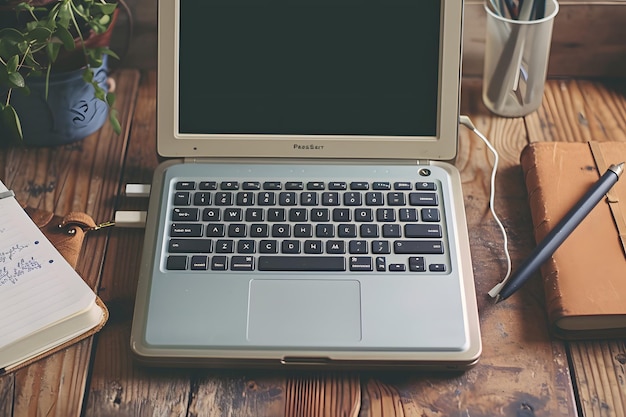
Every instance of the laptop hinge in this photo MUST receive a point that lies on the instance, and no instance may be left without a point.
(423, 162)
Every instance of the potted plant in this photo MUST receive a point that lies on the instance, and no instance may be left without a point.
(53, 69)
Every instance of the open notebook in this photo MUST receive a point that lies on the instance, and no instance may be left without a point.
(305, 217)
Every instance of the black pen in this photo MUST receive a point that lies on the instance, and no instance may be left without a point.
(561, 231)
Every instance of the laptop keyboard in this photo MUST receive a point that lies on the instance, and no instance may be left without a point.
(296, 226)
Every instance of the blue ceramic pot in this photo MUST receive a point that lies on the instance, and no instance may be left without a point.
(70, 113)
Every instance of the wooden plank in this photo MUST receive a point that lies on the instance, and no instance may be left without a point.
(582, 111)
(81, 176)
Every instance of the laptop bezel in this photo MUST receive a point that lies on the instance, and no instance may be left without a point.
(442, 146)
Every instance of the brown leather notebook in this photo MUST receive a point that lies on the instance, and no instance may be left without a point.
(66, 234)
(585, 280)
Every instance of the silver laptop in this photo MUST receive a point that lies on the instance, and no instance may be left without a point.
(305, 217)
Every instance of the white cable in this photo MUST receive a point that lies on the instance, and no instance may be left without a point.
(465, 121)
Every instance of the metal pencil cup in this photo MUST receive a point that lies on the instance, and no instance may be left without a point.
(516, 61)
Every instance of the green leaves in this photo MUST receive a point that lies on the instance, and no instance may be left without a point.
(40, 36)
(11, 120)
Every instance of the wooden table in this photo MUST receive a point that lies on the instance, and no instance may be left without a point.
(523, 371)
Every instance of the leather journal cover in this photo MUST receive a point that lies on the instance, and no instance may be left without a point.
(66, 233)
(585, 280)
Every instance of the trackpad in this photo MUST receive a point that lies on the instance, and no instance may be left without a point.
(304, 312)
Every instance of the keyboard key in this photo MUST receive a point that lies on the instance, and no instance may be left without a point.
(190, 245)
(330, 198)
(315, 185)
(186, 230)
(423, 199)
(385, 215)
(290, 246)
(298, 215)
(359, 185)
(281, 230)
(224, 246)
(224, 199)
(176, 263)
(408, 215)
(242, 263)
(417, 264)
(233, 214)
(185, 185)
(245, 198)
(182, 198)
(207, 185)
(396, 199)
(210, 214)
(352, 199)
(320, 215)
(363, 215)
(308, 198)
(202, 198)
(391, 230)
(341, 215)
(229, 185)
(381, 186)
(272, 185)
(357, 246)
(425, 186)
(267, 198)
(276, 215)
(287, 198)
(303, 230)
(346, 230)
(236, 230)
(268, 246)
(294, 185)
(219, 263)
(437, 268)
(337, 185)
(259, 230)
(335, 247)
(369, 230)
(313, 246)
(251, 185)
(374, 198)
(397, 267)
(381, 246)
(402, 185)
(215, 230)
(381, 263)
(199, 263)
(302, 263)
(430, 215)
(361, 263)
(254, 215)
(422, 230)
(418, 247)
(185, 214)
(324, 230)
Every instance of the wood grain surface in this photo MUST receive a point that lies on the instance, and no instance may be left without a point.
(523, 370)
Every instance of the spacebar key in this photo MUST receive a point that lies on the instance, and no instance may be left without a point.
(302, 263)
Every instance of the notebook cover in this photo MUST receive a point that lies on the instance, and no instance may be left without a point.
(584, 281)
(69, 245)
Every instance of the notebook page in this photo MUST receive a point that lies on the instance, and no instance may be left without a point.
(37, 285)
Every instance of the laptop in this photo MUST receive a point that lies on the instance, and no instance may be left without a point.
(305, 215)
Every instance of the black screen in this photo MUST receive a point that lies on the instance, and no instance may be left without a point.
(345, 67)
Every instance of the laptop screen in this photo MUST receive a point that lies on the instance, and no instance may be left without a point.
(309, 67)
(351, 79)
